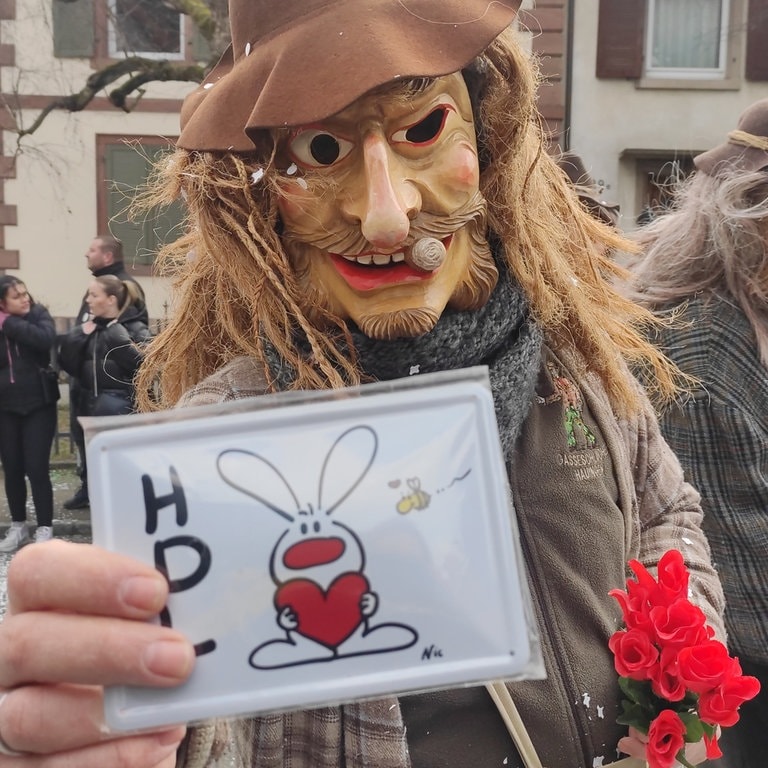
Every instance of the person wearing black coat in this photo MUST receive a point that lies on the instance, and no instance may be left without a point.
(104, 257)
(27, 410)
(104, 353)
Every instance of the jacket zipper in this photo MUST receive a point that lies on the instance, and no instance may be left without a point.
(10, 360)
(93, 363)
(579, 722)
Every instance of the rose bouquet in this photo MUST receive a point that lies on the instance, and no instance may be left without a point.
(679, 683)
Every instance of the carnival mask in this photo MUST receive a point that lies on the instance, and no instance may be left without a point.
(382, 216)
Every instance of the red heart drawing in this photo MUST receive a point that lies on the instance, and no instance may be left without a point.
(327, 617)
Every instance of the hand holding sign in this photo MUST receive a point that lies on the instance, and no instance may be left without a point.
(77, 621)
(329, 592)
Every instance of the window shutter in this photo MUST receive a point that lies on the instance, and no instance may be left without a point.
(201, 50)
(757, 40)
(73, 33)
(620, 34)
(127, 168)
(162, 224)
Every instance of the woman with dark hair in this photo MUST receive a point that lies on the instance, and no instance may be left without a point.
(104, 353)
(27, 410)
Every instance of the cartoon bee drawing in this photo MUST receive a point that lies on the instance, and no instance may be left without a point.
(417, 499)
(323, 599)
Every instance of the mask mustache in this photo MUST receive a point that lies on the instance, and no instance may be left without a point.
(425, 226)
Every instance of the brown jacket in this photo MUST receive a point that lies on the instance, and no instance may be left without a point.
(585, 486)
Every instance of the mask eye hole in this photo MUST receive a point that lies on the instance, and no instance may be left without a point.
(425, 131)
(314, 148)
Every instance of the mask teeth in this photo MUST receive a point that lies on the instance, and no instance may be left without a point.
(379, 259)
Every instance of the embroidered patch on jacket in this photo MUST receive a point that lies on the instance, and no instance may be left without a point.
(577, 433)
(586, 464)
(583, 456)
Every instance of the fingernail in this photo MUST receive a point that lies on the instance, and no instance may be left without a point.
(145, 593)
(172, 659)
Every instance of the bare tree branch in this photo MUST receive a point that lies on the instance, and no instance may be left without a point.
(162, 71)
(210, 18)
(142, 71)
(200, 13)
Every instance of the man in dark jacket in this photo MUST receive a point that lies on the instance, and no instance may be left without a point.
(104, 257)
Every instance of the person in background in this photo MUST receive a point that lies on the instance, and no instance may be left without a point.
(104, 257)
(27, 410)
(104, 353)
(704, 266)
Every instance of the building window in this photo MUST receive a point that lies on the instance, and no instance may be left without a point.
(145, 28)
(657, 179)
(687, 39)
(124, 166)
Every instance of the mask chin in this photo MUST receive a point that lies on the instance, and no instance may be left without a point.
(403, 324)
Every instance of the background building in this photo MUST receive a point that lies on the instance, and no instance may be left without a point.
(636, 87)
(74, 176)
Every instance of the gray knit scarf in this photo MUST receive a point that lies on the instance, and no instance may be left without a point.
(501, 335)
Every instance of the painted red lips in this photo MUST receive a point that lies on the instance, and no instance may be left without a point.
(369, 277)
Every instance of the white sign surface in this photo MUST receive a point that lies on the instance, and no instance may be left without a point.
(333, 548)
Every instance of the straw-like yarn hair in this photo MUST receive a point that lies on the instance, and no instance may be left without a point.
(714, 240)
(235, 286)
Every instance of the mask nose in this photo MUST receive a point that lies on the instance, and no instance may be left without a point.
(388, 201)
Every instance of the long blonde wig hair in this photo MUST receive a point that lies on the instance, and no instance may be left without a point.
(235, 288)
(713, 241)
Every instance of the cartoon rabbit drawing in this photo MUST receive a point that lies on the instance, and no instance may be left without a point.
(323, 599)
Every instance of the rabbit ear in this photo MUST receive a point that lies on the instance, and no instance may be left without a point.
(256, 477)
(349, 458)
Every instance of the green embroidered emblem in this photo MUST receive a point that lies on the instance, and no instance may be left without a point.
(568, 393)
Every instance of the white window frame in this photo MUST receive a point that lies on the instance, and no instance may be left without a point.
(688, 73)
(117, 53)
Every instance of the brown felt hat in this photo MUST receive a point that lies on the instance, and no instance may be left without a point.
(294, 62)
(746, 148)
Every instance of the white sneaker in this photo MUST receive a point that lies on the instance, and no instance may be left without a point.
(43, 533)
(17, 537)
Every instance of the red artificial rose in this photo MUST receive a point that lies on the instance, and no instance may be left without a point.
(679, 624)
(671, 584)
(665, 682)
(666, 737)
(719, 706)
(705, 666)
(635, 606)
(672, 576)
(634, 655)
(642, 576)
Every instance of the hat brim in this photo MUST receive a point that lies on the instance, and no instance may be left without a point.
(729, 156)
(314, 68)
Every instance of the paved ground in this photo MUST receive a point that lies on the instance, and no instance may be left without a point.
(65, 522)
(75, 525)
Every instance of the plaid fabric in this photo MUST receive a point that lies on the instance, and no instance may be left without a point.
(720, 435)
(371, 734)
